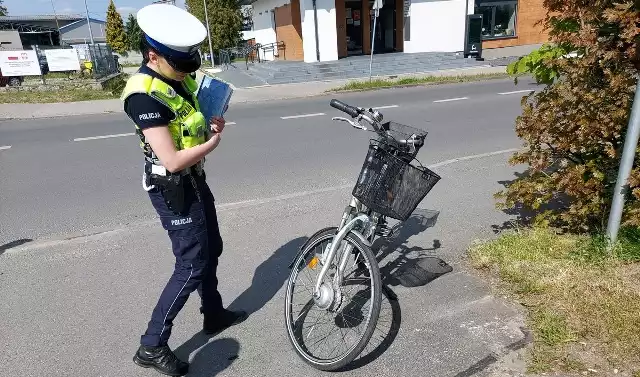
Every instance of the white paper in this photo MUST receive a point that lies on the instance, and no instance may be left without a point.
(158, 170)
(63, 60)
(19, 63)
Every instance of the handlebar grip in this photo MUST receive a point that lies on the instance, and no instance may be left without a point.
(352, 111)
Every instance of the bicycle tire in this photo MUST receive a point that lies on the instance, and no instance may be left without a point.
(339, 362)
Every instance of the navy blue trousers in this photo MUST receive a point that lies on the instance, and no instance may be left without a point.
(197, 245)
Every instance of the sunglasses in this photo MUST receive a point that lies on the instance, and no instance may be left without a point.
(184, 66)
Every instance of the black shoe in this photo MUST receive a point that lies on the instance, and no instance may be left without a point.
(161, 359)
(214, 323)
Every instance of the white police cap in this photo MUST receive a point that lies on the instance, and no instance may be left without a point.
(171, 30)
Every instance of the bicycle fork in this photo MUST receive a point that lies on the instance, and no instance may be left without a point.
(322, 294)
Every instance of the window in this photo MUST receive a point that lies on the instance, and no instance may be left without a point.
(498, 18)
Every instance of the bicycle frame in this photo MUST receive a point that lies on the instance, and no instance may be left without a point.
(353, 214)
(356, 212)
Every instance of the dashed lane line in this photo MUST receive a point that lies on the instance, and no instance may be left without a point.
(103, 137)
(120, 135)
(302, 116)
(451, 99)
(242, 204)
(385, 107)
(5, 147)
(517, 92)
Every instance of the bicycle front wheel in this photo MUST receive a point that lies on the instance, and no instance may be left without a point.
(330, 333)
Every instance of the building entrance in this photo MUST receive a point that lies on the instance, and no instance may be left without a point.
(354, 27)
(385, 34)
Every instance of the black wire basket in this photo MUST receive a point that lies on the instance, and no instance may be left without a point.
(390, 185)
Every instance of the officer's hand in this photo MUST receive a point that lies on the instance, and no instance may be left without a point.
(217, 124)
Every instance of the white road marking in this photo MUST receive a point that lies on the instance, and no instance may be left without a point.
(255, 202)
(118, 135)
(302, 116)
(385, 107)
(103, 137)
(255, 87)
(236, 205)
(472, 157)
(517, 92)
(5, 147)
(451, 99)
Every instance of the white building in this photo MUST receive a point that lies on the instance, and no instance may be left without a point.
(326, 30)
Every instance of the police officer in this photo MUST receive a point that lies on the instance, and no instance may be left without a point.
(160, 100)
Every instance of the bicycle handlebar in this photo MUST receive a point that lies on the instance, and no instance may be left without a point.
(373, 118)
(352, 111)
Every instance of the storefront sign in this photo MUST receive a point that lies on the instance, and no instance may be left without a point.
(61, 60)
(19, 63)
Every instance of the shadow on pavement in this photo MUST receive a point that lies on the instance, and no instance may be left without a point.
(525, 216)
(13, 244)
(267, 280)
(409, 267)
(386, 331)
(213, 358)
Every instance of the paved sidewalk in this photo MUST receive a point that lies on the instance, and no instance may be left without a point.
(259, 93)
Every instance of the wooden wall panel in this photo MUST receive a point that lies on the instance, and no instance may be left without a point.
(399, 25)
(341, 26)
(366, 27)
(288, 30)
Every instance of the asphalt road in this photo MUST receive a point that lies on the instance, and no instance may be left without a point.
(53, 185)
(81, 292)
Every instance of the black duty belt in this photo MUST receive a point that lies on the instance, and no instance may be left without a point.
(172, 185)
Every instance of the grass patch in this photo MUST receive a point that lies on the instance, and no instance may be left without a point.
(50, 96)
(415, 81)
(584, 303)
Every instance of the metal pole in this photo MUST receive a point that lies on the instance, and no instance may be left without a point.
(315, 25)
(626, 164)
(88, 22)
(206, 15)
(373, 38)
(56, 16)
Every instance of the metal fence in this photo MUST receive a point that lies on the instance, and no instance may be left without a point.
(96, 61)
(104, 61)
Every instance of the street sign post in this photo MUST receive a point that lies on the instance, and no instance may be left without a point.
(376, 6)
(626, 164)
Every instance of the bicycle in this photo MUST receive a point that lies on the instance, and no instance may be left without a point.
(388, 186)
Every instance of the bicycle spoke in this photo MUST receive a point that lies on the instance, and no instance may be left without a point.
(330, 335)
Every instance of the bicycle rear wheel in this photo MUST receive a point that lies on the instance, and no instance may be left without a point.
(305, 317)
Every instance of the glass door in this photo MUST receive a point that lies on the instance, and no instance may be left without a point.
(353, 11)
